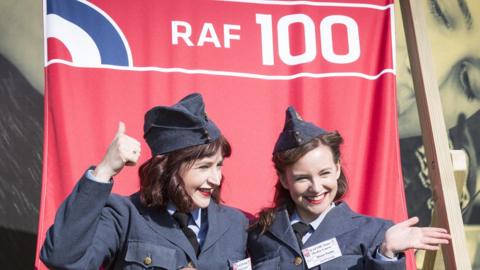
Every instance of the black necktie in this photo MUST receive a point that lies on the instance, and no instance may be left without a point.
(182, 220)
(300, 230)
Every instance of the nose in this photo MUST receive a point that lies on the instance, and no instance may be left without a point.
(215, 176)
(316, 185)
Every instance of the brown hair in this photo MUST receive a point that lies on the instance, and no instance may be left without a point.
(160, 180)
(283, 160)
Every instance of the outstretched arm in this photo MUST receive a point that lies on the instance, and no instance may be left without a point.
(404, 235)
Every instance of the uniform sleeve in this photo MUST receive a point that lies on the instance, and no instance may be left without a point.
(377, 263)
(88, 229)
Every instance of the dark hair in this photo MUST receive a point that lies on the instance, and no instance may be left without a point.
(283, 160)
(160, 180)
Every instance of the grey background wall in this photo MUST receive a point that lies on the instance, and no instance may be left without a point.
(21, 130)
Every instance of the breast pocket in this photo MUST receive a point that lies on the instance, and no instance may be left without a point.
(142, 255)
(269, 264)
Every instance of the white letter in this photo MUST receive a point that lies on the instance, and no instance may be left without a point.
(265, 22)
(208, 28)
(227, 36)
(185, 35)
(327, 43)
(284, 39)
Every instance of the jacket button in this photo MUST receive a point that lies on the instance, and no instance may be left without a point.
(147, 260)
(298, 260)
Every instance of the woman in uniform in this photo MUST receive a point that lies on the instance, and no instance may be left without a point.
(309, 227)
(174, 221)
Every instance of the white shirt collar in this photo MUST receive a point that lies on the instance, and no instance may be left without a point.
(196, 214)
(296, 218)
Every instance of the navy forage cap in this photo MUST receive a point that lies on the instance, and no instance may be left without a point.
(296, 132)
(184, 124)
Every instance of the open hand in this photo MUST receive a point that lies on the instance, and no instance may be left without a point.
(403, 236)
(124, 150)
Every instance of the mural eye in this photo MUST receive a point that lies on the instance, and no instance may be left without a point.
(470, 80)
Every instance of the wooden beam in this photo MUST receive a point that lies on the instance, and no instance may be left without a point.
(432, 259)
(434, 135)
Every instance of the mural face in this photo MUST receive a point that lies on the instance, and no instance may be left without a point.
(453, 28)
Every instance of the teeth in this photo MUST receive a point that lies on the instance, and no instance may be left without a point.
(314, 198)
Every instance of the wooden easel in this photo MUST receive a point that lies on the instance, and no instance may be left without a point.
(434, 135)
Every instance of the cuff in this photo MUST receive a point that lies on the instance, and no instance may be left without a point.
(89, 175)
(380, 256)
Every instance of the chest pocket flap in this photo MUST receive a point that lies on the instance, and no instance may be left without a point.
(150, 256)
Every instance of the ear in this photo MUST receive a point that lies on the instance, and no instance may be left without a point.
(339, 170)
(283, 181)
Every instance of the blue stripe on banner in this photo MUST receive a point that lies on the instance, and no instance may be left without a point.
(109, 42)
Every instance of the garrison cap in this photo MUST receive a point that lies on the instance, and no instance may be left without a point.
(170, 128)
(296, 132)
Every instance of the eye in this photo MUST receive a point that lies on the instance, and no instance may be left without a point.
(324, 173)
(301, 178)
(471, 89)
(220, 164)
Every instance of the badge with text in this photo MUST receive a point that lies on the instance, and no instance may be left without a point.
(321, 252)
(242, 265)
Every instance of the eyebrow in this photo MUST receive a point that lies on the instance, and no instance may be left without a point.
(436, 10)
(466, 13)
(210, 162)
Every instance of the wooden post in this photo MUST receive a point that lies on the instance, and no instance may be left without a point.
(433, 259)
(434, 135)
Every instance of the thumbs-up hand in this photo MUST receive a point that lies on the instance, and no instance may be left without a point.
(124, 150)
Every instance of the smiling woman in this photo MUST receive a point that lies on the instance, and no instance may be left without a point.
(309, 227)
(202, 179)
(188, 178)
(174, 222)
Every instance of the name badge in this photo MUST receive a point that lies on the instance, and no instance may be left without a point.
(321, 252)
(244, 264)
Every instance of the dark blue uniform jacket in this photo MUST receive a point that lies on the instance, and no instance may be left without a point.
(358, 237)
(94, 228)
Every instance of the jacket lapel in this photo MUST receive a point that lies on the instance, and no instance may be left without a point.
(218, 224)
(282, 230)
(337, 222)
(161, 221)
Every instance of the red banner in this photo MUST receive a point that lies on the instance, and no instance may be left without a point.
(110, 61)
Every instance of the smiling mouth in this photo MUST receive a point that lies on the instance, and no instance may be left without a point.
(207, 192)
(317, 199)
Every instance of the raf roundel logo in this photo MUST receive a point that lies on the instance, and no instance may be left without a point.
(91, 37)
